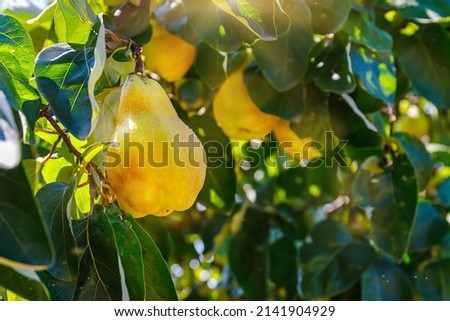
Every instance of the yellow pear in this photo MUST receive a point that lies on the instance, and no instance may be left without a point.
(168, 55)
(235, 112)
(160, 165)
(291, 143)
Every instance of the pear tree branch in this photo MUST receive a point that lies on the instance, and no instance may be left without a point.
(90, 167)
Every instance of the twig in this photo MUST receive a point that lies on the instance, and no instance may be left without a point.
(50, 154)
(45, 112)
(392, 114)
(137, 55)
(90, 167)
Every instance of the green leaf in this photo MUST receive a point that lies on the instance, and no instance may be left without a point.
(134, 22)
(418, 156)
(43, 20)
(100, 276)
(66, 75)
(210, 65)
(384, 281)
(285, 61)
(288, 104)
(157, 228)
(59, 290)
(331, 233)
(433, 281)
(439, 153)
(424, 11)
(16, 43)
(431, 46)
(158, 281)
(55, 200)
(328, 16)
(25, 241)
(330, 65)
(70, 26)
(212, 228)
(366, 102)
(390, 197)
(296, 182)
(215, 27)
(364, 32)
(171, 15)
(16, 67)
(351, 125)
(443, 192)
(283, 266)
(377, 73)
(328, 271)
(315, 120)
(265, 18)
(248, 254)
(220, 183)
(429, 228)
(25, 283)
(9, 136)
(130, 253)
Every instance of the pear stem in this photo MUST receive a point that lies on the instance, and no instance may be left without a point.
(137, 55)
(392, 114)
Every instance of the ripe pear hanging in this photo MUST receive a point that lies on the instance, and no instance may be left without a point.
(160, 165)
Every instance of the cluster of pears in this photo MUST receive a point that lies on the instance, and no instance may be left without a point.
(162, 163)
(241, 119)
(155, 174)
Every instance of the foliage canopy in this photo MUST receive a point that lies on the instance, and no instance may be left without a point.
(366, 81)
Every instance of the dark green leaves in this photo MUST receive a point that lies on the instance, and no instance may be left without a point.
(158, 281)
(215, 27)
(390, 197)
(249, 254)
(385, 281)
(433, 281)
(351, 125)
(100, 268)
(24, 239)
(418, 156)
(330, 68)
(55, 200)
(377, 73)
(220, 183)
(25, 283)
(333, 262)
(364, 32)
(265, 18)
(283, 265)
(425, 10)
(120, 260)
(66, 75)
(429, 228)
(285, 61)
(328, 16)
(209, 64)
(431, 46)
(130, 252)
(287, 104)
